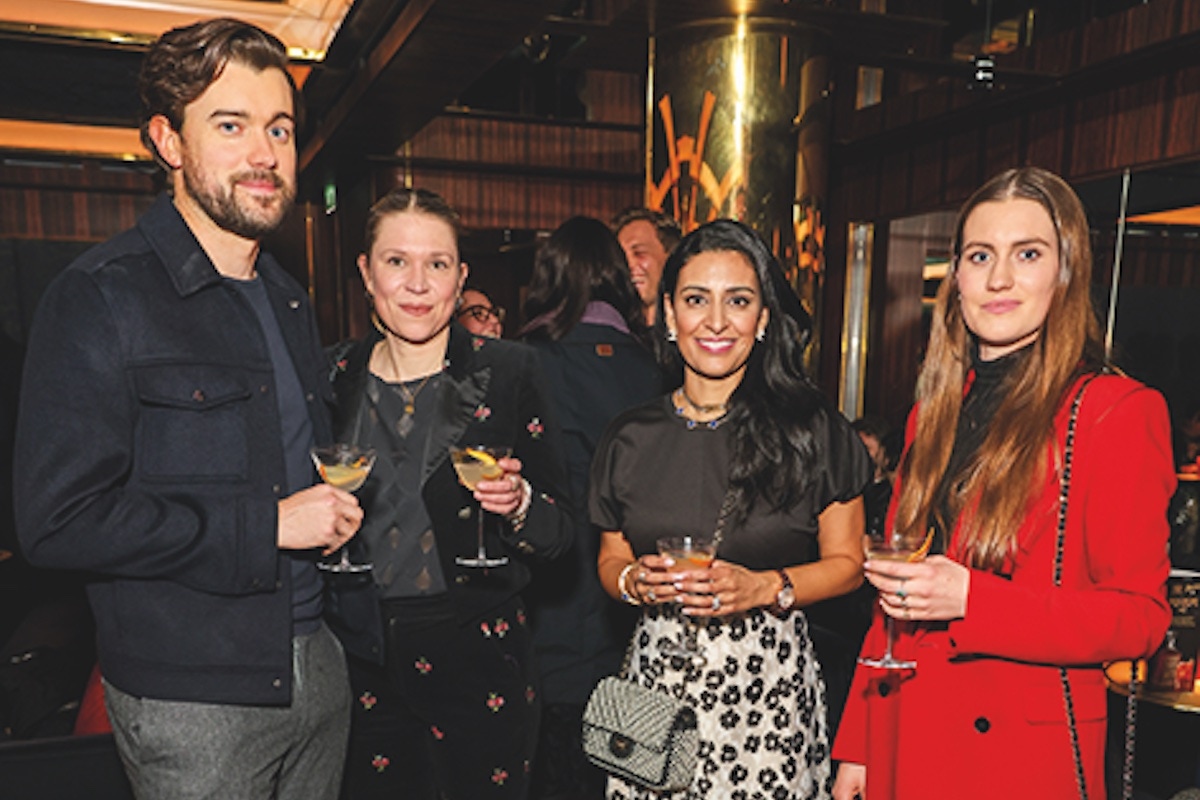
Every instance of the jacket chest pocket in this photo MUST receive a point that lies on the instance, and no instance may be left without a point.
(193, 424)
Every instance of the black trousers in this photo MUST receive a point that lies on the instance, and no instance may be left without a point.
(562, 771)
(454, 713)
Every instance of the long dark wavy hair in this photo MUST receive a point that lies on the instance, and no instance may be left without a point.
(773, 410)
(581, 262)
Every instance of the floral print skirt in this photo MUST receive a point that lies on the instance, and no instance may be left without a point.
(453, 715)
(759, 699)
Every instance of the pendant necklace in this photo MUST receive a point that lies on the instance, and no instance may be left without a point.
(404, 425)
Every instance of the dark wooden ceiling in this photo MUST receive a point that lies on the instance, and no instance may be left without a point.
(396, 64)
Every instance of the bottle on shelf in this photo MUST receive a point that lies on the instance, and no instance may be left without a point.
(1164, 666)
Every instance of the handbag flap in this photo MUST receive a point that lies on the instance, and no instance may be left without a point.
(644, 715)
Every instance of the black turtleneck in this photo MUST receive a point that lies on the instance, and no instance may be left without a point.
(979, 408)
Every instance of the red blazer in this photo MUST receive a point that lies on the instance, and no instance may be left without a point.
(983, 715)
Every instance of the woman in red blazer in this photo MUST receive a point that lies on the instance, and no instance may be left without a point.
(1014, 341)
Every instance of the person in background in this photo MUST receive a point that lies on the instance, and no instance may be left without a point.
(647, 237)
(1014, 345)
(746, 424)
(477, 314)
(440, 653)
(586, 324)
(174, 386)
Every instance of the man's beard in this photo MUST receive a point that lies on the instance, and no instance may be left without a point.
(255, 217)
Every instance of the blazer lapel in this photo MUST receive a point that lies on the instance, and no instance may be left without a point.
(461, 396)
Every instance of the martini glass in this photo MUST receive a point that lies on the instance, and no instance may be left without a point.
(346, 467)
(690, 553)
(474, 464)
(894, 546)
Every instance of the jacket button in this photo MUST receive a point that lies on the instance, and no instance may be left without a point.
(276, 488)
(983, 725)
(293, 304)
(309, 397)
(198, 395)
(277, 683)
(461, 579)
(263, 389)
(885, 689)
(464, 513)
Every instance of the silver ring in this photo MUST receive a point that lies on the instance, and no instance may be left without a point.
(904, 602)
(653, 598)
(716, 603)
(515, 481)
(901, 593)
(907, 613)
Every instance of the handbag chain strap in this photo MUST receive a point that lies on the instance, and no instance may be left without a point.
(1131, 702)
(727, 504)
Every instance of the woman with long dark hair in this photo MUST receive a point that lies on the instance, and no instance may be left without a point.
(1026, 591)
(586, 324)
(746, 427)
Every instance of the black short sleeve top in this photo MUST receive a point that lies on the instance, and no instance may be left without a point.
(655, 476)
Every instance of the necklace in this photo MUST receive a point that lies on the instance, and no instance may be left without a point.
(715, 408)
(404, 425)
(711, 424)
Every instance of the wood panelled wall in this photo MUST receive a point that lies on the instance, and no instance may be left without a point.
(73, 201)
(1122, 91)
(506, 173)
(502, 174)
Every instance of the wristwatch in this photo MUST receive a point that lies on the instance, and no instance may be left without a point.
(787, 594)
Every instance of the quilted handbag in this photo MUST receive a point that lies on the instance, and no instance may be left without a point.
(642, 735)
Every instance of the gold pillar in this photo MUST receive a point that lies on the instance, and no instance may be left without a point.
(739, 127)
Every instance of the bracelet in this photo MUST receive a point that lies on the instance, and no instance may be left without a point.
(626, 595)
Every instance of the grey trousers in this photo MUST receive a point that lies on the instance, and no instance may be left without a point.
(200, 751)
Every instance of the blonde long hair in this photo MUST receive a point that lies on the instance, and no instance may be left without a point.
(995, 485)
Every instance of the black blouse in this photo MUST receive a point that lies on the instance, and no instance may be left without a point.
(654, 475)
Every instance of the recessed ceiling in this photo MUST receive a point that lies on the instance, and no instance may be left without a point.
(305, 26)
(100, 43)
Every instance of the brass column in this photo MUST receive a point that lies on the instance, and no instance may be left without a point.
(739, 127)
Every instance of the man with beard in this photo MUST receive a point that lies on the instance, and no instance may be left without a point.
(174, 387)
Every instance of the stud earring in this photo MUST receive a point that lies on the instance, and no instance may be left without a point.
(671, 335)
(761, 335)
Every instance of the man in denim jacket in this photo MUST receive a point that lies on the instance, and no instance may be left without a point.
(174, 386)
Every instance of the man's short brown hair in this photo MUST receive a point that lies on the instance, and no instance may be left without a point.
(668, 229)
(184, 62)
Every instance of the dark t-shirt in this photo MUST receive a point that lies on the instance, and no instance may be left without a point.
(297, 434)
(655, 476)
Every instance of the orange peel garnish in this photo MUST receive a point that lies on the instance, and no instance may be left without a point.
(923, 550)
(480, 456)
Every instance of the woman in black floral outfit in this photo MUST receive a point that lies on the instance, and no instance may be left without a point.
(440, 654)
(748, 421)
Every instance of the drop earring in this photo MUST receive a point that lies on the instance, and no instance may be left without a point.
(671, 335)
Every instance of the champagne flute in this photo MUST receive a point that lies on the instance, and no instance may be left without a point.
(346, 467)
(689, 553)
(894, 546)
(473, 464)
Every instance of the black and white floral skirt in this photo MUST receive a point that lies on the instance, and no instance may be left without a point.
(759, 699)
